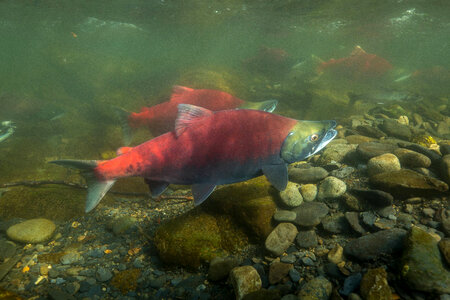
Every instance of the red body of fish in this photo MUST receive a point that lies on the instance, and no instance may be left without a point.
(161, 117)
(224, 147)
(360, 65)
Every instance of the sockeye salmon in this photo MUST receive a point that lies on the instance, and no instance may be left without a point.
(207, 149)
(160, 118)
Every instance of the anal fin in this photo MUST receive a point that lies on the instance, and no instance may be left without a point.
(201, 192)
(156, 187)
(277, 175)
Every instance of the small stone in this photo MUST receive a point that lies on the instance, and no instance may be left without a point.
(308, 191)
(331, 187)
(70, 258)
(373, 245)
(337, 153)
(291, 196)
(281, 238)
(412, 159)
(335, 223)
(123, 224)
(370, 131)
(7, 249)
(444, 166)
(372, 149)
(289, 259)
(374, 198)
(354, 296)
(307, 261)
(433, 155)
(103, 274)
(277, 271)
(353, 220)
(374, 285)
(307, 175)
(428, 212)
(245, 280)
(220, 267)
(306, 239)
(336, 255)
(57, 294)
(294, 275)
(368, 218)
(351, 283)
(343, 173)
(395, 129)
(72, 287)
(284, 216)
(32, 231)
(383, 163)
(353, 203)
(318, 288)
(358, 139)
(310, 214)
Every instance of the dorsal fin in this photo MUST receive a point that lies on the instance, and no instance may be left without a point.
(123, 150)
(179, 91)
(189, 114)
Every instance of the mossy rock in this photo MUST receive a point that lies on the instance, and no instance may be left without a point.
(54, 203)
(250, 203)
(197, 237)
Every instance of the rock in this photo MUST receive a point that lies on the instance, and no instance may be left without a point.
(31, 231)
(374, 285)
(263, 294)
(444, 246)
(412, 159)
(288, 259)
(428, 212)
(353, 220)
(245, 280)
(307, 175)
(336, 255)
(70, 258)
(335, 223)
(295, 276)
(370, 131)
(443, 216)
(337, 153)
(318, 288)
(358, 139)
(278, 270)
(291, 196)
(374, 198)
(308, 191)
(123, 224)
(331, 187)
(196, 237)
(373, 245)
(57, 294)
(306, 239)
(383, 163)
(310, 214)
(353, 203)
(432, 155)
(7, 250)
(422, 264)
(371, 149)
(407, 183)
(395, 129)
(103, 274)
(220, 267)
(342, 173)
(284, 216)
(444, 166)
(281, 238)
(350, 284)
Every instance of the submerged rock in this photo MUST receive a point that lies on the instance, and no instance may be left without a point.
(395, 129)
(310, 214)
(371, 246)
(306, 239)
(337, 153)
(412, 159)
(444, 246)
(383, 163)
(407, 183)
(281, 238)
(331, 187)
(291, 196)
(308, 191)
(31, 231)
(278, 271)
(307, 175)
(245, 280)
(220, 267)
(374, 285)
(371, 149)
(422, 264)
(317, 289)
(373, 198)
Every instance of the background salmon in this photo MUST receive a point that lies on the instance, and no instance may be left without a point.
(161, 117)
(208, 149)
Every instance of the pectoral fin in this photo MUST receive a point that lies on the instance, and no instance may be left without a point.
(201, 192)
(277, 175)
(156, 187)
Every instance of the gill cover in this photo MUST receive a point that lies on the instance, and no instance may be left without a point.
(307, 138)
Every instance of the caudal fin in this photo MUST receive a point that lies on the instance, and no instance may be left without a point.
(127, 133)
(96, 188)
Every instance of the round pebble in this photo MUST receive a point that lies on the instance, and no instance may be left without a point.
(383, 163)
(32, 231)
(291, 196)
(331, 187)
(308, 191)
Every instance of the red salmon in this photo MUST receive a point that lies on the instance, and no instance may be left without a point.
(208, 149)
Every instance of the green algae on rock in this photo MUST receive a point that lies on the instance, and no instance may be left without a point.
(423, 265)
(374, 285)
(196, 237)
(32, 231)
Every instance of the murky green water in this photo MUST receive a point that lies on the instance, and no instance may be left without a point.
(65, 64)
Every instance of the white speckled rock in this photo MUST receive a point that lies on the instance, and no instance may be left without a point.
(383, 163)
(308, 191)
(331, 187)
(245, 280)
(31, 231)
(291, 196)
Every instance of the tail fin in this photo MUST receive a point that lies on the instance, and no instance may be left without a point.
(268, 105)
(122, 114)
(96, 189)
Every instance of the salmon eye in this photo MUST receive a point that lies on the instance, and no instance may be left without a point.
(314, 137)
